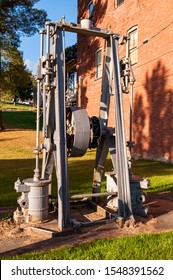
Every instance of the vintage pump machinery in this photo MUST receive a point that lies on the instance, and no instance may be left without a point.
(69, 131)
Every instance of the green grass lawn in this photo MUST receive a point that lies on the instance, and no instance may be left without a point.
(139, 247)
(20, 162)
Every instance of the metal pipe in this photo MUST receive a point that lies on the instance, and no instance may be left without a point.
(132, 80)
(37, 172)
(47, 52)
(78, 196)
(37, 150)
(44, 110)
(41, 43)
(131, 143)
(127, 65)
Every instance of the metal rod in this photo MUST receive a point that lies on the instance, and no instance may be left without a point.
(132, 80)
(37, 171)
(44, 110)
(47, 52)
(41, 43)
(86, 195)
(127, 65)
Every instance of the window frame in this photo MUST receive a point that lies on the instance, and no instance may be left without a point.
(133, 49)
(119, 2)
(98, 65)
(91, 11)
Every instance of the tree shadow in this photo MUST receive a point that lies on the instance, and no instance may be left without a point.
(82, 98)
(153, 124)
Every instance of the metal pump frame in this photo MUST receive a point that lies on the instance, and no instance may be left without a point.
(51, 86)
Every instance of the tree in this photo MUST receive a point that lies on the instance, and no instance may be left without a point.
(17, 18)
(16, 79)
(71, 53)
(21, 17)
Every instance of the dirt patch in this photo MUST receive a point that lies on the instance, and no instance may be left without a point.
(19, 239)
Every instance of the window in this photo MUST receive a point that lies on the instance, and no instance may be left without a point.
(98, 63)
(119, 2)
(91, 10)
(133, 34)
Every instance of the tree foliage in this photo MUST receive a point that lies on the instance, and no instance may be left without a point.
(17, 80)
(17, 18)
(71, 53)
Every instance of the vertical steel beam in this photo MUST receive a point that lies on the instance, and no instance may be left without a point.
(106, 87)
(101, 154)
(37, 172)
(123, 182)
(102, 149)
(60, 132)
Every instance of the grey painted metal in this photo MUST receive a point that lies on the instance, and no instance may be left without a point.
(60, 132)
(127, 61)
(132, 80)
(89, 195)
(36, 171)
(125, 208)
(47, 80)
(106, 87)
(102, 149)
(76, 28)
(101, 154)
(79, 130)
(38, 199)
(41, 43)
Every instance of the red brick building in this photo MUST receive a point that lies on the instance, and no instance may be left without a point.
(150, 27)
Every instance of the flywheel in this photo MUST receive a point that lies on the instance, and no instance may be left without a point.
(78, 131)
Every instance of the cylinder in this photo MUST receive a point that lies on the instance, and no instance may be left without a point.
(38, 197)
(86, 23)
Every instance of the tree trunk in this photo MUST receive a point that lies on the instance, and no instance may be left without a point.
(1, 124)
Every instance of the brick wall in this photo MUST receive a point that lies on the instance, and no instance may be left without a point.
(153, 90)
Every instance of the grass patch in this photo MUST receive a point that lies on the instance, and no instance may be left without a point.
(18, 116)
(17, 107)
(139, 247)
(159, 173)
(19, 119)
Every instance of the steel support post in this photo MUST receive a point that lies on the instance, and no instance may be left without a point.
(123, 182)
(106, 88)
(37, 150)
(39, 76)
(102, 149)
(60, 132)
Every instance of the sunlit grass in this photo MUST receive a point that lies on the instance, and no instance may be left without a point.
(139, 247)
(17, 107)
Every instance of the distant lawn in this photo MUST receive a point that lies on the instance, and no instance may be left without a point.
(18, 116)
(17, 107)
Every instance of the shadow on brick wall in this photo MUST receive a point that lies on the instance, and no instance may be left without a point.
(100, 6)
(87, 45)
(152, 122)
(83, 98)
